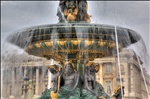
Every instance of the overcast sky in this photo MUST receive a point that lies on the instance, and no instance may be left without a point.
(20, 14)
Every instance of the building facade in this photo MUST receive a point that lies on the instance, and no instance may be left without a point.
(40, 77)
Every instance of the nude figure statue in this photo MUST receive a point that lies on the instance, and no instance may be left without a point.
(71, 78)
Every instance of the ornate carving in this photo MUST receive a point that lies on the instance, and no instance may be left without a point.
(82, 13)
(73, 11)
(54, 69)
(92, 89)
(71, 78)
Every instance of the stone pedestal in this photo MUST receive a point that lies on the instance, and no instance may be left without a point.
(101, 74)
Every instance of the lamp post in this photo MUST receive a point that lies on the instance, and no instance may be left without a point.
(30, 93)
(119, 91)
(119, 81)
(26, 84)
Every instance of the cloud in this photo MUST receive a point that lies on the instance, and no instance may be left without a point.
(130, 14)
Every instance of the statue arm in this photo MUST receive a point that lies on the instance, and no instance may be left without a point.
(61, 71)
(75, 12)
(66, 12)
(88, 86)
(117, 93)
(94, 82)
(76, 78)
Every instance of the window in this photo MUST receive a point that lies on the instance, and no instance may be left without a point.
(45, 86)
(108, 68)
(122, 67)
(34, 89)
(108, 87)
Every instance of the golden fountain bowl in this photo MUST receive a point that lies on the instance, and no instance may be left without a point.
(75, 41)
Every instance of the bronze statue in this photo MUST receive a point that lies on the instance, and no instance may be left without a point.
(71, 78)
(60, 10)
(54, 69)
(91, 88)
(52, 92)
(118, 93)
(73, 11)
(82, 11)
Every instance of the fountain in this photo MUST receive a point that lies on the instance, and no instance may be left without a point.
(74, 42)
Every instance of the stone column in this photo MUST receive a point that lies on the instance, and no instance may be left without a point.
(101, 73)
(25, 89)
(37, 83)
(132, 80)
(115, 74)
(50, 76)
(13, 89)
(126, 83)
(49, 80)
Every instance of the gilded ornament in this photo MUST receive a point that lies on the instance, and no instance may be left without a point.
(61, 43)
(101, 97)
(48, 43)
(101, 43)
(30, 46)
(54, 95)
(89, 42)
(75, 42)
(111, 44)
(38, 45)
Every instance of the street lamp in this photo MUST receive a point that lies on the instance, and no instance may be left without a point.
(119, 91)
(119, 81)
(26, 84)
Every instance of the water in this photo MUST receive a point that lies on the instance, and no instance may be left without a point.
(17, 59)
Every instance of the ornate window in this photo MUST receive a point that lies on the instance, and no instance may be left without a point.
(108, 87)
(122, 67)
(108, 67)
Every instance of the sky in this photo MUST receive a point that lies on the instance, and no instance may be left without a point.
(16, 15)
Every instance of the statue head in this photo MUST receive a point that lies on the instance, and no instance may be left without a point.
(53, 69)
(69, 67)
(70, 4)
(83, 6)
(92, 67)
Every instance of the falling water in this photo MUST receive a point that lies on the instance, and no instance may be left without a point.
(28, 33)
(118, 57)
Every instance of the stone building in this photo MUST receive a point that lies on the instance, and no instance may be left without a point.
(131, 74)
(37, 71)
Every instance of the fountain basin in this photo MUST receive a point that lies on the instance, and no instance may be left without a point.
(73, 41)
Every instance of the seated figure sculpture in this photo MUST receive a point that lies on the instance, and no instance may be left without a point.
(60, 10)
(82, 11)
(52, 92)
(70, 10)
(71, 78)
(91, 89)
(73, 11)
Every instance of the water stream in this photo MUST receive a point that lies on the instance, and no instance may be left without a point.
(14, 62)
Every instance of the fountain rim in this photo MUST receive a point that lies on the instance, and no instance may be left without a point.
(104, 26)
